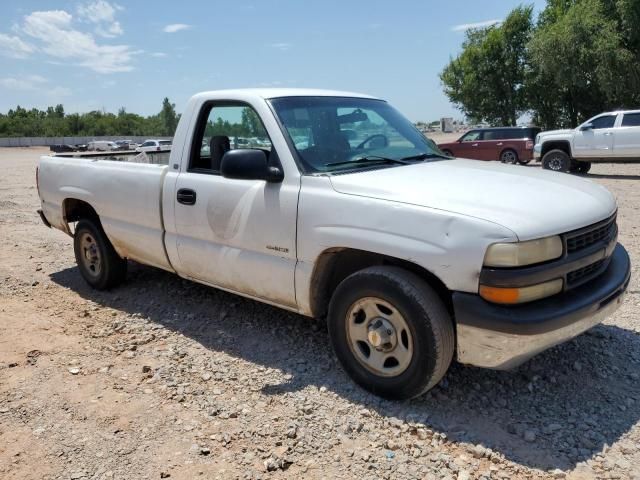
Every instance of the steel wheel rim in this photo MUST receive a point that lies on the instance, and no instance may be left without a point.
(379, 337)
(555, 163)
(508, 157)
(90, 254)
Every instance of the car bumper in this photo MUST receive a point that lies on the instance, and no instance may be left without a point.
(43, 218)
(537, 151)
(503, 337)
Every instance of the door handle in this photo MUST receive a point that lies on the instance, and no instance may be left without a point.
(474, 145)
(500, 144)
(608, 134)
(186, 196)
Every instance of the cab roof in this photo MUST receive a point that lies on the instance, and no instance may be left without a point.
(268, 93)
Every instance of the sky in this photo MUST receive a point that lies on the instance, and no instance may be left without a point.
(104, 55)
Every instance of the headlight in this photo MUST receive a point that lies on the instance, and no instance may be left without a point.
(512, 295)
(519, 254)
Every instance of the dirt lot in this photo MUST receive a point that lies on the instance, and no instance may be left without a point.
(163, 378)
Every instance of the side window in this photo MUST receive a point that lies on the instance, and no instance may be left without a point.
(605, 121)
(223, 128)
(631, 120)
(471, 136)
(513, 134)
(490, 135)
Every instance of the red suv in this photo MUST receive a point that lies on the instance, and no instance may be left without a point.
(507, 144)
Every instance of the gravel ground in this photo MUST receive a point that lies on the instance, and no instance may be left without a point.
(163, 378)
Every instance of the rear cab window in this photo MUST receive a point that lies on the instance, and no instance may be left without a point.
(631, 120)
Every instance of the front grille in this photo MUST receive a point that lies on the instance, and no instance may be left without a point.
(586, 237)
(585, 274)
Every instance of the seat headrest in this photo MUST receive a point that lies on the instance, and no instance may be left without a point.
(218, 145)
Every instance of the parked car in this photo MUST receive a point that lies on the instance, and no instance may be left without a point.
(154, 146)
(410, 256)
(608, 137)
(125, 144)
(60, 148)
(101, 146)
(507, 144)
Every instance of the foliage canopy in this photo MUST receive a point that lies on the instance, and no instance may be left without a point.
(580, 58)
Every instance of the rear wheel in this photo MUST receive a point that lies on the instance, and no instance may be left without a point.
(391, 332)
(584, 167)
(97, 260)
(509, 156)
(556, 160)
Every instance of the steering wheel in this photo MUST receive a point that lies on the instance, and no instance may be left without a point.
(368, 139)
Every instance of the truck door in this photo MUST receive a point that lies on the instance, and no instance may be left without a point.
(235, 234)
(595, 138)
(627, 137)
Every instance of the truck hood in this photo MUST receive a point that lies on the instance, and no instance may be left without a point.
(551, 133)
(532, 203)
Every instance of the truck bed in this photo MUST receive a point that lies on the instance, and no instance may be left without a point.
(130, 156)
(124, 189)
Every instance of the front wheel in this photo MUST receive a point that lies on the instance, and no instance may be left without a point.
(556, 160)
(391, 332)
(97, 260)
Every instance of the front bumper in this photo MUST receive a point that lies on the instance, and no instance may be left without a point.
(502, 337)
(43, 218)
(537, 151)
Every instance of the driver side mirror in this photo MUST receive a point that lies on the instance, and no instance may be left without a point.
(249, 164)
(586, 126)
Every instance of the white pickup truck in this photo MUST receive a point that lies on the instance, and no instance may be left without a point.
(608, 137)
(341, 209)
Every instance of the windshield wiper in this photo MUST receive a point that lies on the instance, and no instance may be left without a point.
(369, 159)
(424, 156)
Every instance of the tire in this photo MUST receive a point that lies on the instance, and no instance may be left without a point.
(419, 346)
(556, 160)
(99, 264)
(522, 161)
(509, 156)
(573, 167)
(584, 167)
(448, 153)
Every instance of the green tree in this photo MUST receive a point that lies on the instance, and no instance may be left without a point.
(168, 118)
(487, 80)
(251, 124)
(580, 62)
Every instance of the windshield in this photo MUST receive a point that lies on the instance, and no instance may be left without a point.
(334, 134)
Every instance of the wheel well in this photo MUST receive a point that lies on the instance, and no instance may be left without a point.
(334, 265)
(510, 149)
(74, 210)
(556, 145)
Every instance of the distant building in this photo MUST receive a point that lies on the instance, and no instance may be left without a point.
(446, 124)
